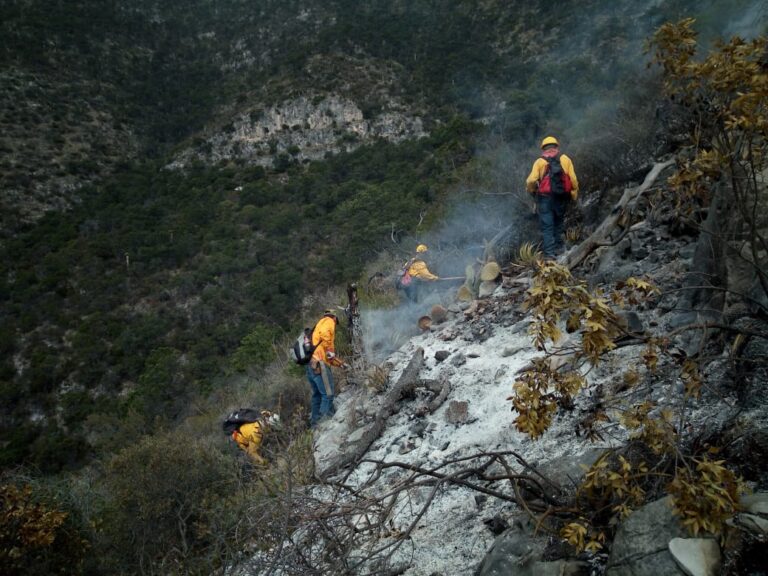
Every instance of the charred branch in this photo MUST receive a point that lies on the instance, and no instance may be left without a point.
(408, 380)
(620, 212)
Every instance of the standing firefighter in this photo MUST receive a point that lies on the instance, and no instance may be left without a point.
(247, 428)
(319, 368)
(414, 273)
(554, 183)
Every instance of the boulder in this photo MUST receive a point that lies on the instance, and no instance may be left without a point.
(631, 322)
(441, 355)
(509, 552)
(568, 470)
(511, 351)
(756, 525)
(458, 412)
(696, 556)
(641, 545)
(518, 552)
(756, 503)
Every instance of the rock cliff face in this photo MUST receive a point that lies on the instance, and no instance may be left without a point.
(301, 129)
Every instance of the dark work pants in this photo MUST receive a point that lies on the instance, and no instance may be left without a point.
(322, 393)
(412, 290)
(551, 210)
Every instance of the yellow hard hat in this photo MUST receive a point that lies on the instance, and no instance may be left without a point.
(421, 248)
(330, 312)
(549, 140)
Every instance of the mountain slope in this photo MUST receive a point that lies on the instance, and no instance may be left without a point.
(452, 466)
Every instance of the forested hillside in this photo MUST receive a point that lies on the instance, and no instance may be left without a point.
(165, 230)
(149, 266)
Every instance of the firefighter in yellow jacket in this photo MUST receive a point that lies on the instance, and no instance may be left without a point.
(250, 436)
(553, 182)
(416, 272)
(319, 368)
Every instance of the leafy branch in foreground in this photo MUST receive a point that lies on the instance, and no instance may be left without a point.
(704, 492)
(726, 94)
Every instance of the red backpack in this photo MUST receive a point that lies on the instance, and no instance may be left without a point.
(555, 180)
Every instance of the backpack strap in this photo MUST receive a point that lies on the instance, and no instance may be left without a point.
(551, 159)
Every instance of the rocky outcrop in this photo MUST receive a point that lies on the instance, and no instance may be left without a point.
(299, 130)
(480, 349)
(696, 556)
(517, 551)
(641, 544)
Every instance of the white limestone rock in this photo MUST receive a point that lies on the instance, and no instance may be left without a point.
(696, 556)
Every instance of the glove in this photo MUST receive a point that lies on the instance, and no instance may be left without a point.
(330, 355)
(345, 366)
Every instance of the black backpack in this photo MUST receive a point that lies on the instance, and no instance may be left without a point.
(556, 177)
(240, 417)
(303, 347)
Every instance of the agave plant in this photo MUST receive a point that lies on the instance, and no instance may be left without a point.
(528, 254)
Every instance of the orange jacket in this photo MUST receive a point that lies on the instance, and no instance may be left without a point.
(323, 337)
(539, 169)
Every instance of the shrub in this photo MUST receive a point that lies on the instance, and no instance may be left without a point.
(177, 522)
(36, 536)
(256, 350)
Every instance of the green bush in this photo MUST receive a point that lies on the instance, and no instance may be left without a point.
(182, 519)
(256, 350)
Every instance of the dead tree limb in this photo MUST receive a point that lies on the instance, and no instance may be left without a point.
(441, 388)
(601, 235)
(440, 398)
(408, 380)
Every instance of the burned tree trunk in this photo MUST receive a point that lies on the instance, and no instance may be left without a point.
(625, 205)
(358, 362)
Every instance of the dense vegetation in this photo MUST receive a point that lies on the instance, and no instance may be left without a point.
(86, 84)
(158, 276)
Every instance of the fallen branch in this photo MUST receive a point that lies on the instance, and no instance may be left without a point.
(408, 380)
(440, 398)
(441, 388)
(600, 236)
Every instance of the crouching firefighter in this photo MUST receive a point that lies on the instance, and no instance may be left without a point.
(247, 428)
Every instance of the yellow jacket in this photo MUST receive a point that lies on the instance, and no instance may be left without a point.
(539, 170)
(323, 337)
(419, 270)
(249, 437)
